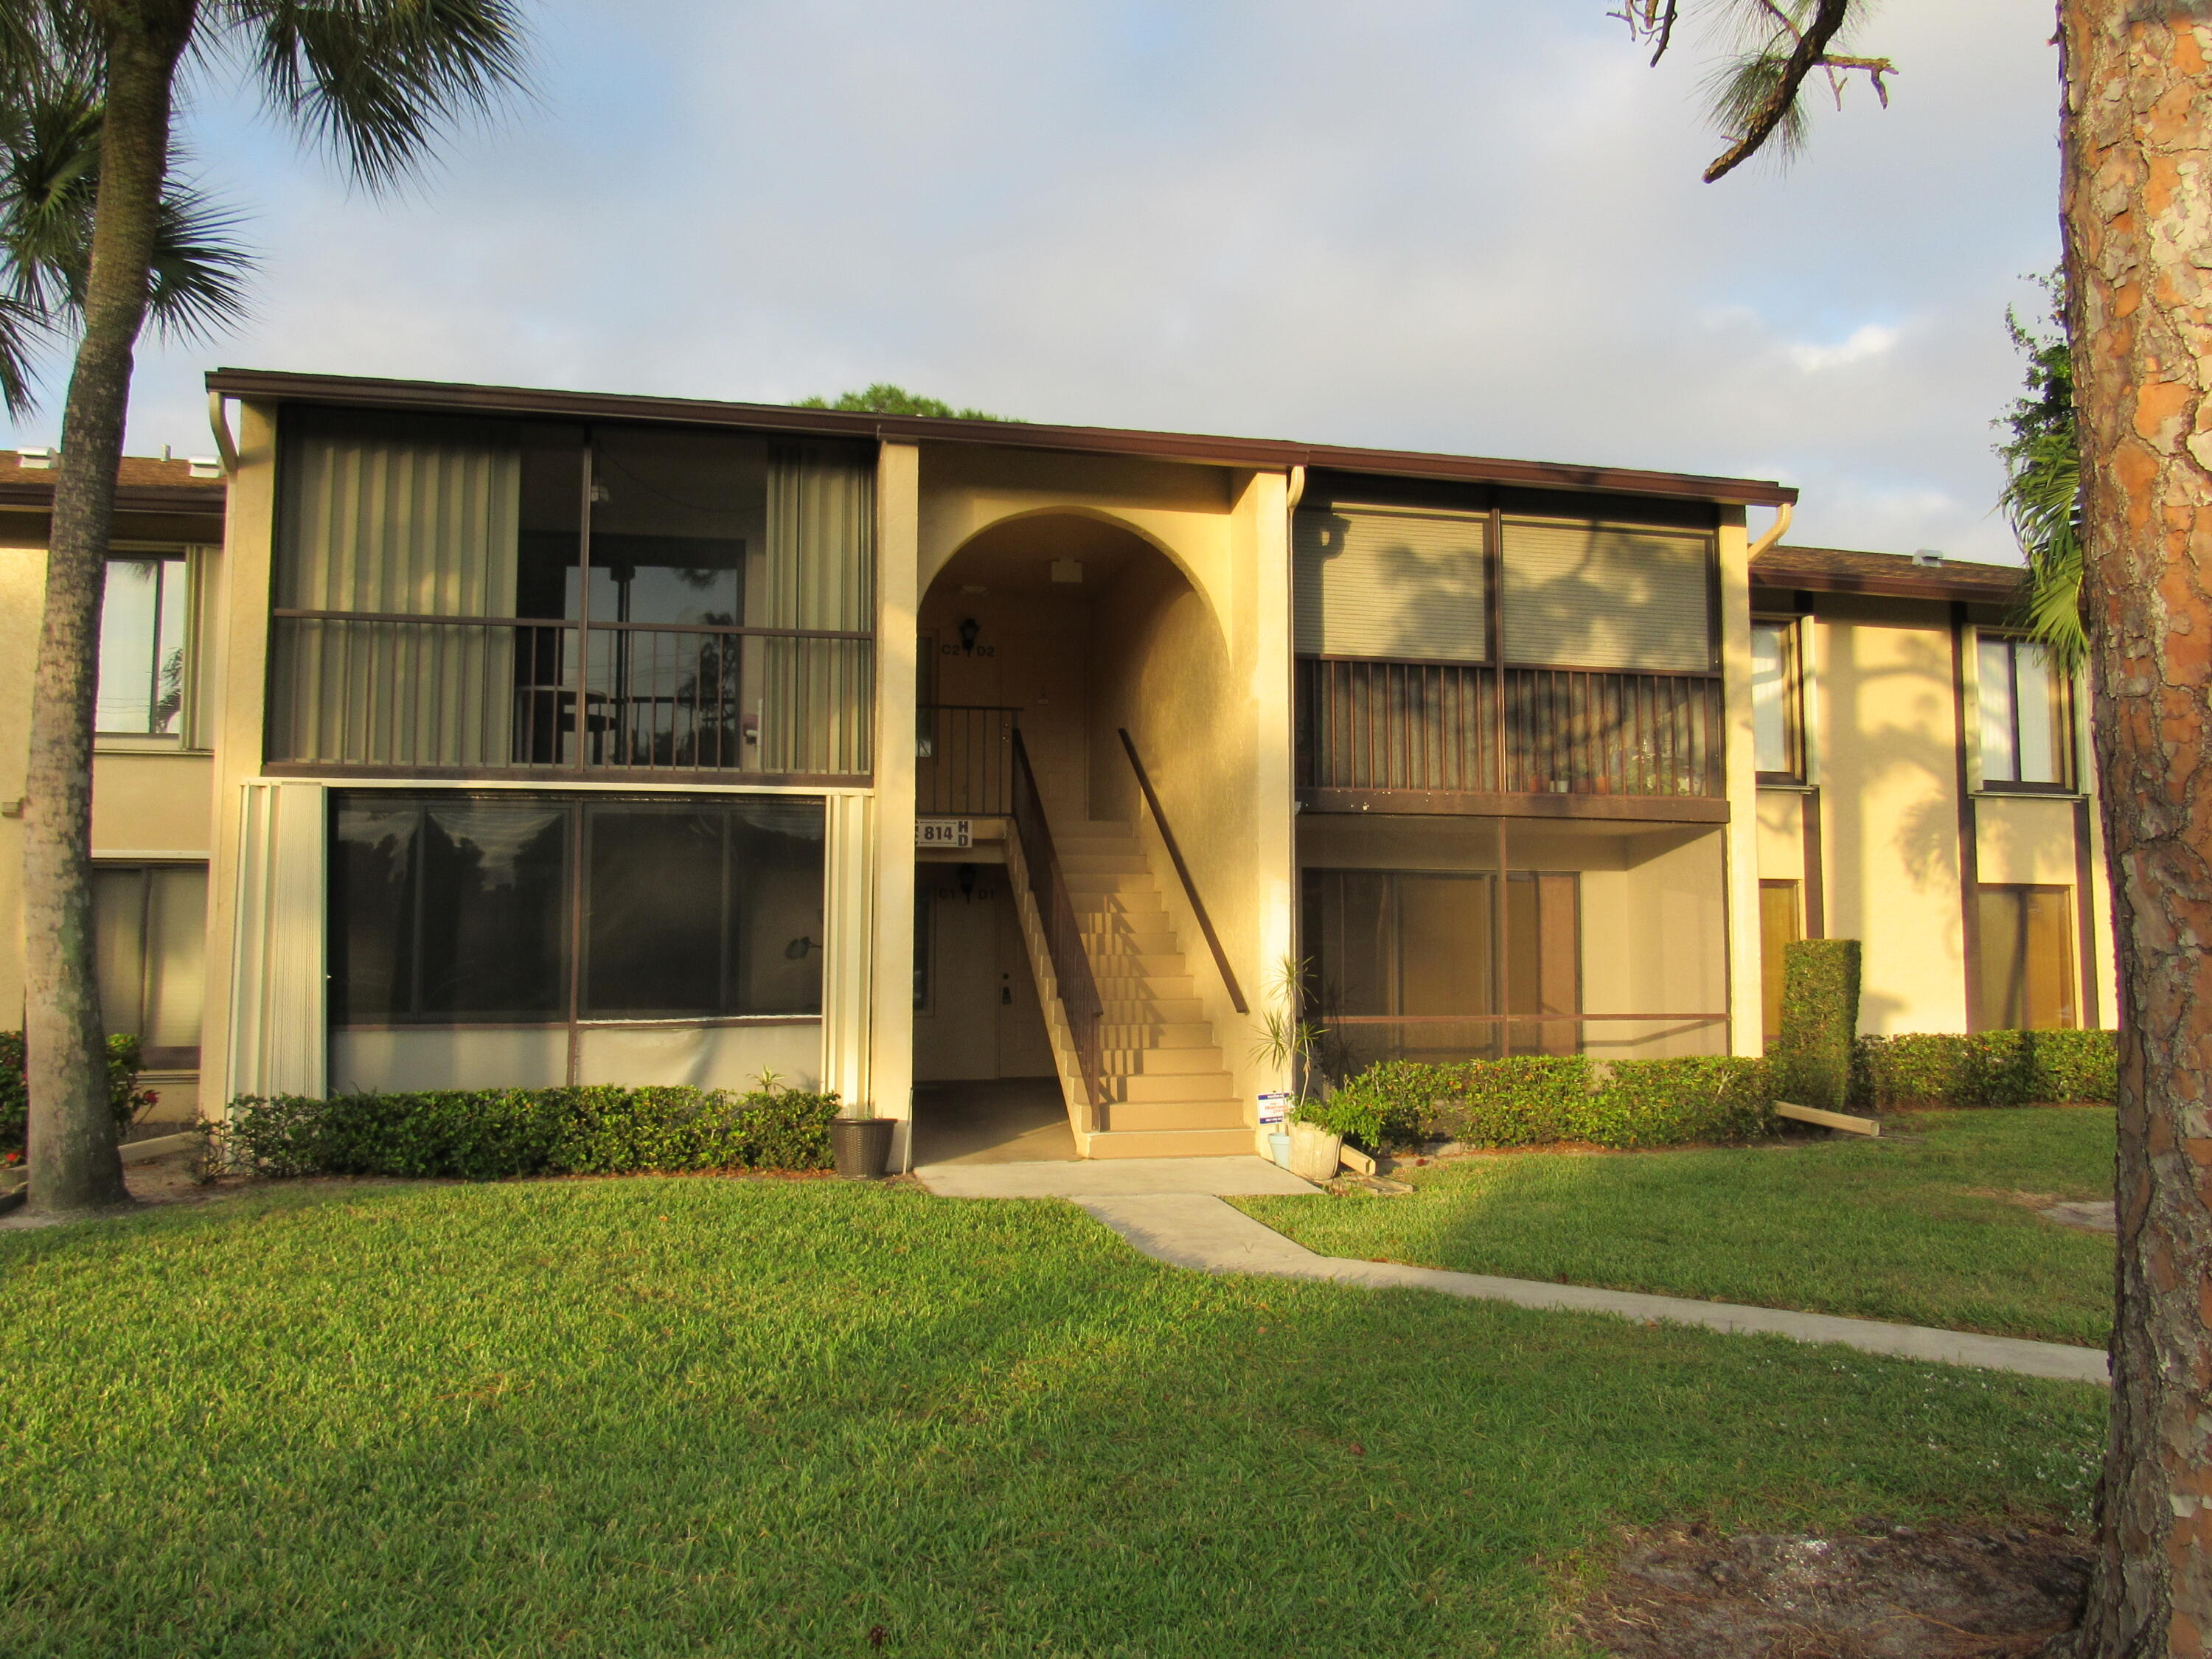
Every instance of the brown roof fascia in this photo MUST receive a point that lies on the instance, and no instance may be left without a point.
(1933, 587)
(129, 498)
(430, 395)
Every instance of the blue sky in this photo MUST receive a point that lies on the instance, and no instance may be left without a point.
(1465, 225)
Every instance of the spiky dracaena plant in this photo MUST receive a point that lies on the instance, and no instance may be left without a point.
(1288, 1041)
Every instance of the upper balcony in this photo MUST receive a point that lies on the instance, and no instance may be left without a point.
(461, 598)
(1515, 661)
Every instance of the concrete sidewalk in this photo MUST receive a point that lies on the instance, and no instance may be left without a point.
(1194, 1230)
(1111, 1177)
(1170, 1208)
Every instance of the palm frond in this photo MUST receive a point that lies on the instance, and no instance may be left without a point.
(199, 269)
(377, 80)
(2043, 499)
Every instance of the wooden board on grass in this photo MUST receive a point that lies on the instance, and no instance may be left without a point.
(1843, 1121)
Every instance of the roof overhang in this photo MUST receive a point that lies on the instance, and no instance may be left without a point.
(1264, 453)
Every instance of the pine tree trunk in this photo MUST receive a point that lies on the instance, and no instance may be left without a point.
(2138, 220)
(74, 1164)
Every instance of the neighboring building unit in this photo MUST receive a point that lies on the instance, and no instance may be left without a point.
(537, 737)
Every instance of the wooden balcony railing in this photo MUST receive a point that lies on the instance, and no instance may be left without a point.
(504, 694)
(963, 761)
(1446, 728)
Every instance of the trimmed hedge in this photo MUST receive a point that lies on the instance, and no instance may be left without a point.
(125, 1099)
(1535, 1100)
(489, 1134)
(1986, 1068)
(1819, 1022)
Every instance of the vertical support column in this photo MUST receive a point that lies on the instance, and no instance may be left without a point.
(1747, 1016)
(898, 602)
(1261, 544)
(277, 1034)
(233, 650)
(847, 946)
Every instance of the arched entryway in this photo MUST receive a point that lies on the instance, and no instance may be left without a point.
(1072, 628)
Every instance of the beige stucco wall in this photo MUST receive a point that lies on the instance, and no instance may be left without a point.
(150, 798)
(1890, 807)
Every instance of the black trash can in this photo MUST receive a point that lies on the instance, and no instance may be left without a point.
(862, 1146)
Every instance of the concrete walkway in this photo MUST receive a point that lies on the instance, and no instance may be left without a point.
(1170, 1209)
(1194, 1230)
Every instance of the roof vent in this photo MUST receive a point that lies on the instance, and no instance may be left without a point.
(204, 466)
(1929, 558)
(36, 460)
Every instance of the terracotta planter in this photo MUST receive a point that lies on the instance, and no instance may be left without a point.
(1314, 1152)
(862, 1146)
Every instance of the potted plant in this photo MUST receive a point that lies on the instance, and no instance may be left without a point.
(1288, 1043)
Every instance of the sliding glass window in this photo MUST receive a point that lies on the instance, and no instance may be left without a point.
(143, 619)
(471, 596)
(454, 909)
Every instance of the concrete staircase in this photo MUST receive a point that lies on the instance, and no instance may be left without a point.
(1168, 1093)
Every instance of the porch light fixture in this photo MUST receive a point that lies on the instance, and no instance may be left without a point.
(1067, 570)
(969, 627)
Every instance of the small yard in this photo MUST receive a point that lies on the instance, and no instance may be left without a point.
(656, 1415)
(1929, 1224)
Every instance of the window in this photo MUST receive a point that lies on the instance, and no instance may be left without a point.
(149, 940)
(1420, 947)
(1781, 925)
(2024, 976)
(1776, 752)
(454, 909)
(1589, 595)
(1390, 582)
(924, 915)
(2028, 726)
(143, 625)
(472, 595)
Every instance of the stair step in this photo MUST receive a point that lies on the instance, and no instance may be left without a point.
(1117, 987)
(1175, 1115)
(1173, 1086)
(1132, 944)
(1137, 1010)
(1156, 1034)
(1171, 1143)
(1161, 1063)
(1089, 863)
(1089, 883)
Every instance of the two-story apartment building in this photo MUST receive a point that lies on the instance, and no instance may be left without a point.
(537, 737)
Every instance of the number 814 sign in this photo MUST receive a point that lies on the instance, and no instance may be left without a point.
(943, 832)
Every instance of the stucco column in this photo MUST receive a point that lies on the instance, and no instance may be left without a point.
(1747, 1014)
(898, 500)
(235, 659)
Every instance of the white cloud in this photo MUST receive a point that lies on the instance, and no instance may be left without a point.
(1414, 222)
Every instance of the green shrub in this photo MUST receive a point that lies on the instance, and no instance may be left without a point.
(1985, 1068)
(1536, 1100)
(125, 1099)
(485, 1134)
(1819, 1022)
(1665, 1102)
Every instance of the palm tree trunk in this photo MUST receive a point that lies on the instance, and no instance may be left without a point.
(2137, 151)
(74, 1166)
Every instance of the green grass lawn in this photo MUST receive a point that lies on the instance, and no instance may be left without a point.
(651, 1416)
(1900, 1228)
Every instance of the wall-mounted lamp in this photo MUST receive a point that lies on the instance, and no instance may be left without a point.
(796, 950)
(968, 882)
(969, 627)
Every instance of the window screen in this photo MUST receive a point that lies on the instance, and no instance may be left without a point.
(1586, 595)
(1389, 583)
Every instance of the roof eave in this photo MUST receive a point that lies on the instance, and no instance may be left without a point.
(268, 384)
